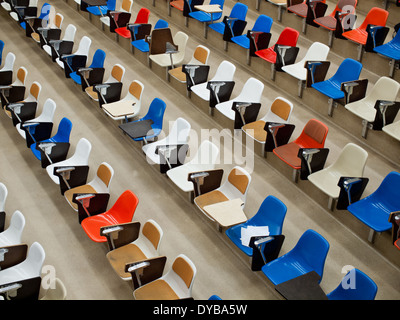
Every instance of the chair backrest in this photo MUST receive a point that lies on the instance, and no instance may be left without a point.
(45, 11)
(252, 91)
(13, 233)
(126, 5)
(58, 20)
(98, 59)
(387, 192)
(117, 73)
(180, 39)
(105, 173)
(376, 16)
(49, 108)
(200, 55)
(1, 51)
(84, 46)
(143, 16)
(312, 248)
(125, 206)
(64, 131)
(184, 268)
(351, 161)
(316, 52)
(288, 37)
(384, 89)
(263, 23)
(111, 5)
(179, 132)
(348, 70)
(217, 15)
(33, 263)
(225, 72)
(160, 24)
(280, 111)
(207, 153)
(3, 196)
(156, 111)
(344, 5)
(34, 92)
(153, 232)
(21, 76)
(271, 213)
(356, 285)
(9, 62)
(314, 132)
(82, 152)
(69, 34)
(237, 184)
(239, 11)
(136, 89)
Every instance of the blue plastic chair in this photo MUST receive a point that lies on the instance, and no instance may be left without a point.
(97, 62)
(390, 50)
(44, 14)
(271, 213)
(62, 135)
(142, 44)
(102, 10)
(1, 51)
(156, 113)
(349, 70)
(214, 297)
(374, 210)
(358, 287)
(239, 11)
(206, 17)
(262, 24)
(308, 255)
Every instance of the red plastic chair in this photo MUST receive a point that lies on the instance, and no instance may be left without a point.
(376, 16)
(313, 136)
(121, 212)
(142, 17)
(288, 37)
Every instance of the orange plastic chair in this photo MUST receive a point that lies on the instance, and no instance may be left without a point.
(288, 37)
(313, 136)
(142, 17)
(121, 212)
(376, 16)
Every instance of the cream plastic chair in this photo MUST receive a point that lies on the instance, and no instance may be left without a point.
(126, 6)
(8, 62)
(225, 72)
(179, 134)
(99, 184)
(384, 89)
(134, 95)
(31, 267)
(205, 159)
(33, 96)
(146, 246)
(83, 50)
(47, 115)
(177, 283)
(13, 234)
(200, 57)
(56, 291)
(235, 186)
(3, 196)
(69, 35)
(251, 92)
(316, 52)
(79, 158)
(350, 163)
(116, 75)
(280, 112)
(393, 130)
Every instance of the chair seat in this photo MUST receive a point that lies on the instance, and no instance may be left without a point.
(201, 91)
(60, 63)
(179, 175)
(156, 290)
(91, 93)
(6, 6)
(164, 60)
(327, 22)
(226, 109)
(297, 71)
(76, 77)
(390, 50)
(47, 49)
(234, 234)
(356, 35)
(200, 16)
(288, 153)
(209, 198)
(178, 74)
(393, 130)
(242, 41)
(267, 54)
(362, 109)
(35, 36)
(97, 11)
(329, 88)
(373, 213)
(123, 32)
(178, 4)
(299, 9)
(105, 20)
(258, 133)
(93, 224)
(141, 45)
(218, 27)
(81, 189)
(327, 182)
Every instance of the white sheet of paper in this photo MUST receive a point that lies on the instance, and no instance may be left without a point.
(253, 231)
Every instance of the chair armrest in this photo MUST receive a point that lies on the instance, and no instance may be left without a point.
(120, 234)
(354, 90)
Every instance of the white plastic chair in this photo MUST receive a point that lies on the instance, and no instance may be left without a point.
(393, 130)
(384, 89)
(47, 115)
(126, 6)
(179, 134)
(205, 159)
(79, 158)
(8, 62)
(134, 95)
(13, 234)
(350, 163)
(83, 50)
(99, 184)
(251, 92)
(56, 291)
(179, 280)
(31, 267)
(225, 72)
(3, 196)
(147, 243)
(69, 35)
(33, 96)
